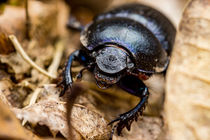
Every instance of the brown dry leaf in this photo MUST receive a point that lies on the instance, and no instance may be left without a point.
(11, 128)
(10, 93)
(6, 46)
(188, 80)
(50, 113)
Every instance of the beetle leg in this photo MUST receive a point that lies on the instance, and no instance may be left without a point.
(126, 119)
(67, 81)
(67, 77)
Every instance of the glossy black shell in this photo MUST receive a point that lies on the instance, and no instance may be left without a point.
(145, 33)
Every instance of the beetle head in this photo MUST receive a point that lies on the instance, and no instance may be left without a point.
(111, 64)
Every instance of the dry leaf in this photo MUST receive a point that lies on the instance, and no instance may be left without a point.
(50, 111)
(188, 80)
(6, 45)
(5, 85)
(10, 93)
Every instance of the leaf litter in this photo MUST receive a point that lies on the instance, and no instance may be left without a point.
(34, 97)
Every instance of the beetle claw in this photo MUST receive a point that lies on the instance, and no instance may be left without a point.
(61, 84)
(126, 119)
(64, 87)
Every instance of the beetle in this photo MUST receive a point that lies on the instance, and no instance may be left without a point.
(126, 46)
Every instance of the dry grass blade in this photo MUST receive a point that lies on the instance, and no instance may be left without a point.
(20, 50)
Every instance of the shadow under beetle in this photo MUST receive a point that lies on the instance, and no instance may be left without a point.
(125, 46)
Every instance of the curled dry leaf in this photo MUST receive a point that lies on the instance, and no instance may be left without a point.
(50, 111)
(6, 45)
(188, 80)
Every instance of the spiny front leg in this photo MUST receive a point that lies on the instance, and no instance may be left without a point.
(67, 77)
(126, 119)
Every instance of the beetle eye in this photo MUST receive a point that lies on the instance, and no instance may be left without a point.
(111, 60)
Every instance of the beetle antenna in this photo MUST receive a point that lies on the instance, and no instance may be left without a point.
(79, 75)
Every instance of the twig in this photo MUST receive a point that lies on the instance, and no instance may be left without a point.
(28, 23)
(59, 47)
(20, 50)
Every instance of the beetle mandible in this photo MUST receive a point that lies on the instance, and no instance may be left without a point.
(125, 46)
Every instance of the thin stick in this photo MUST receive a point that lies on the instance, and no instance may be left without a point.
(28, 23)
(59, 47)
(20, 50)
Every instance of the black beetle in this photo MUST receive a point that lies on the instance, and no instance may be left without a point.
(125, 46)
